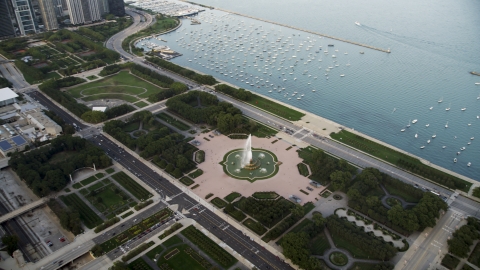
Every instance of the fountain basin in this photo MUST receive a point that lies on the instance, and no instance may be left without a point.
(264, 165)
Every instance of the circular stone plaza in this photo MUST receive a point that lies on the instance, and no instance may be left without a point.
(272, 166)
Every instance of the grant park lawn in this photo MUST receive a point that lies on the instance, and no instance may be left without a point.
(123, 86)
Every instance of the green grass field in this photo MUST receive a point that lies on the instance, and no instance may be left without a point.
(141, 104)
(387, 154)
(275, 108)
(355, 251)
(139, 264)
(116, 86)
(89, 180)
(196, 173)
(232, 196)
(181, 260)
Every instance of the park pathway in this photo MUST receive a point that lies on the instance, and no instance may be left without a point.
(369, 228)
(404, 203)
(351, 260)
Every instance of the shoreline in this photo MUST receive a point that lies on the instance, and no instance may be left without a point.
(318, 123)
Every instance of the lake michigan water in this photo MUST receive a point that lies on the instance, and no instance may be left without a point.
(434, 45)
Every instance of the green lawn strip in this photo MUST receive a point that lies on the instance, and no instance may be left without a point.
(139, 264)
(131, 126)
(467, 267)
(236, 214)
(275, 108)
(196, 173)
(126, 214)
(187, 181)
(92, 77)
(355, 251)
(67, 190)
(319, 244)
(271, 195)
(255, 226)
(475, 255)
(326, 193)
(363, 266)
(89, 218)
(121, 83)
(127, 98)
(110, 170)
(173, 121)
(84, 191)
(89, 180)
(133, 231)
(302, 169)
(218, 202)
(133, 187)
(170, 230)
(172, 241)
(95, 186)
(262, 131)
(154, 252)
(141, 104)
(401, 160)
(309, 206)
(99, 175)
(77, 185)
(182, 259)
(208, 246)
(232, 196)
(450, 262)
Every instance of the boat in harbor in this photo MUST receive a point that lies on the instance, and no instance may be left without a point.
(463, 109)
(414, 121)
(469, 164)
(421, 147)
(446, 125)
(455, 160)
(357, 23)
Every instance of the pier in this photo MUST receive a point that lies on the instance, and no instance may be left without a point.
(303, 30)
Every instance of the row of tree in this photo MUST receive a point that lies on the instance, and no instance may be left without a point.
(69, 217)
(268, 212)
(151, 76)
(240, 94)
(202, 79)
(459, 244)
(358, 237)
(44, 177)
(52, 89)
(98, 116)
(433, 174)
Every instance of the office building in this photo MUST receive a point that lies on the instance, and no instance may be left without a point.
(6, 23)
(25, 16)
(83, 11)
(103, 6)
(117, 7)
(47, 9)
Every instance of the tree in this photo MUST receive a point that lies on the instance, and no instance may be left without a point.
(94, 117)
(298, 210)
(97, 251)
(182, 162)
(11, 241)
(318, 219)
(340, 179)
(169, 168)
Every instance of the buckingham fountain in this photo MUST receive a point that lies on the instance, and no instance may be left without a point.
(250, 163)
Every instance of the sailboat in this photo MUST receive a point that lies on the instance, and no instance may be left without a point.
(434, 136)
(416, 135)
(440, 100)
(448, 109)
(408, 125)
(446, 125)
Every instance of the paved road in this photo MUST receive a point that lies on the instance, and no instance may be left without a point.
(424, 255)
(68, 256)
(9, 71)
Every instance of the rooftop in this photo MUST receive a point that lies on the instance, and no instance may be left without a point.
(6, 94)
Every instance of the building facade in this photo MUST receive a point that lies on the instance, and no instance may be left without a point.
(83, 11)
(25, 16)
(117, 7)
(49, 17)
(6, 30)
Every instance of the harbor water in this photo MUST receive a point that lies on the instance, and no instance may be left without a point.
(434, 46)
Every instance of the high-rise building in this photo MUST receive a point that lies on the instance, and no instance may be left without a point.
(83, 11)
(103, 6)
(25, 16)
(6, 23)
(117, 7)
(47, 9)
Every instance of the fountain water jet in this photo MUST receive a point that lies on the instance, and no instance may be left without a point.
(247, 152)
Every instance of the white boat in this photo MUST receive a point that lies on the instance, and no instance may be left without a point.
(431, 108)
(313, 90)
(463, 109)
(428, 141)
(408, 125)
(463, 148)
(469, 164)
(455, 160)
(416, 135)
(427, 125)
(446, 125)
(414, 121)
(472, 138)
(444, 147)
(402, 130)
(440, 100)
(477, 83)
(434, 136)
(421, 147)
(357, 23)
